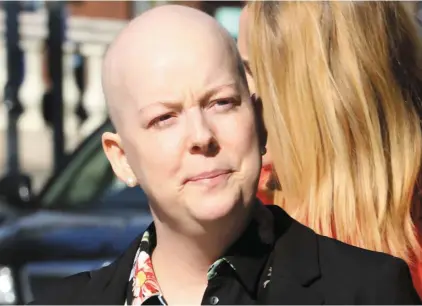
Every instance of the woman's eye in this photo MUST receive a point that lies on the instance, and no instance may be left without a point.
(162, 120)
(225, 104)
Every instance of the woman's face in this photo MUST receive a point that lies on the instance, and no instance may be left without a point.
(242, 46)
(189, 133)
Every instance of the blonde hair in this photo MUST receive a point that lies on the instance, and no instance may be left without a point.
(339, 82)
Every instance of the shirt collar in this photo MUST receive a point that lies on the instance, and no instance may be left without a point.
(143, 282)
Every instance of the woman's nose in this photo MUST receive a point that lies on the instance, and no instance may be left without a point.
(202, 140)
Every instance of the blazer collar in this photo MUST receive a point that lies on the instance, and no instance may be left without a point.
(273, 239)
(295, 262)
(250, 252)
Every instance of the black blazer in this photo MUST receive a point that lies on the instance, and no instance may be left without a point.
(306, 268)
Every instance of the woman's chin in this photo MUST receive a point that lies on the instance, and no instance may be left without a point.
(214, 208)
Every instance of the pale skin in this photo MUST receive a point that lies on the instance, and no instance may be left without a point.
(243, 46)
(182, 111)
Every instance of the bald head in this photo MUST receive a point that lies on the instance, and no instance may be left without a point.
(167, 46)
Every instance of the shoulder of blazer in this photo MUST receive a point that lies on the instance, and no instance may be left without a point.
(105, 286)
(302, 244)
(377, 278)
(372, 277)
(62, 292)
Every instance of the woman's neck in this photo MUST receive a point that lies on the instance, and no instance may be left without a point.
(180, 265)
(182, 261)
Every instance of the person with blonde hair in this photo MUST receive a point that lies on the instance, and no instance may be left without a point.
(340, 83)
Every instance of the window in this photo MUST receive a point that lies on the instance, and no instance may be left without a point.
(119, 196)
(82, 179)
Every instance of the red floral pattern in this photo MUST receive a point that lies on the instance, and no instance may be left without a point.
(143, 279)
(145, 283)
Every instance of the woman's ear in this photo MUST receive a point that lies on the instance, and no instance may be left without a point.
(259, 116)
(113, 149)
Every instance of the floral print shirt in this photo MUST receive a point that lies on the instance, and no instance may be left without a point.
(144, 288)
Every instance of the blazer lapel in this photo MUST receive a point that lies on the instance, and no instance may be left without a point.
(295, 267)
(286, 291)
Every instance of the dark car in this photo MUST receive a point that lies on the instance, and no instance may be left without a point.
(82, 220)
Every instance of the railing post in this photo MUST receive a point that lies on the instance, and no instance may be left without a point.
(93, 98)
(14, 79)
(56, 30)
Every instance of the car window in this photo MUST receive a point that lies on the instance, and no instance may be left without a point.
(88, 182)
(118, 195)
(81, 180)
